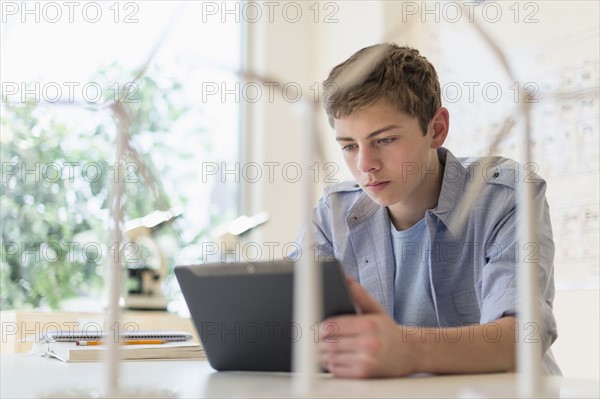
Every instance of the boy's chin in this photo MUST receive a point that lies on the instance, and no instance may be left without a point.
(381, 201)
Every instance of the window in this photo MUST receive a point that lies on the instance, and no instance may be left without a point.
(64, 66)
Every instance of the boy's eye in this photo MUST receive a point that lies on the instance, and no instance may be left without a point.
(349, 147)
(386, 140)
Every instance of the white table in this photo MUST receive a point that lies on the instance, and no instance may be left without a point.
(24, 375)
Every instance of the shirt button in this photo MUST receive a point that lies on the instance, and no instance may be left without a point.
(496, 175)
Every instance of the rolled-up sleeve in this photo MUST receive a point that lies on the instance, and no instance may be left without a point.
(504, 254)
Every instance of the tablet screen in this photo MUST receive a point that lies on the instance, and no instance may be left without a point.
(243, 311)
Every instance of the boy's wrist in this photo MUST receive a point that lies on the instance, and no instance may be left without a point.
(419, 351)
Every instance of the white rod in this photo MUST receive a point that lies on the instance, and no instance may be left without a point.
(528, 351)
(529, 354)
(307, 280)
(307, 312)
(113, 264)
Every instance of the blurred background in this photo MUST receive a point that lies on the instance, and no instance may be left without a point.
(217, 95)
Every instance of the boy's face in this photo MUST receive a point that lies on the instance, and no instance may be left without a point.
(388, 154)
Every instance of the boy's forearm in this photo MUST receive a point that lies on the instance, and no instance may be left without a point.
(471, 349)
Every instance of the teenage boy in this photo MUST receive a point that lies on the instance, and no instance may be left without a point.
(435, 296)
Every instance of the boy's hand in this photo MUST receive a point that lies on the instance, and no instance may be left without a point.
(365, 345)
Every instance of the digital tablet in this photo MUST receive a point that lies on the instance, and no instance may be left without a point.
(242, 312)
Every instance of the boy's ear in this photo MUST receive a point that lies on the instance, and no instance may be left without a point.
(440, 124)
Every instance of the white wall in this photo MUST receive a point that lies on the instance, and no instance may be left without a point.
(300, 52)
(578, 345)
(304, 52)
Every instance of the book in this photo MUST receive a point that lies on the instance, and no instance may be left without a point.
(71, 352)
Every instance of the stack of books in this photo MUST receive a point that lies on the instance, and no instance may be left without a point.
(80, 346)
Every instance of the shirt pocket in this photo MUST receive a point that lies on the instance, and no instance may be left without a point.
(467, 307)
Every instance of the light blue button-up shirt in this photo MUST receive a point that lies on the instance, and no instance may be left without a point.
(472, 268)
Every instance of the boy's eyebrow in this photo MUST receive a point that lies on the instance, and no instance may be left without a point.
(371, 135)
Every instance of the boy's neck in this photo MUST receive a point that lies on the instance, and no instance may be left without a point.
(406, 214)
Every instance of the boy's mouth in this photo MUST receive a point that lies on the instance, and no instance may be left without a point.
(377, 185)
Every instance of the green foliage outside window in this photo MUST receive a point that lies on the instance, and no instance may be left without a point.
(53, 227)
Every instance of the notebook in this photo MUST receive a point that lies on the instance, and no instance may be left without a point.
(243, 311)
(72, 336)
(62, 345)
(70, 352)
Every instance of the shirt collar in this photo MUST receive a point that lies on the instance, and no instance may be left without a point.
(453, 183)
(453, 186)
